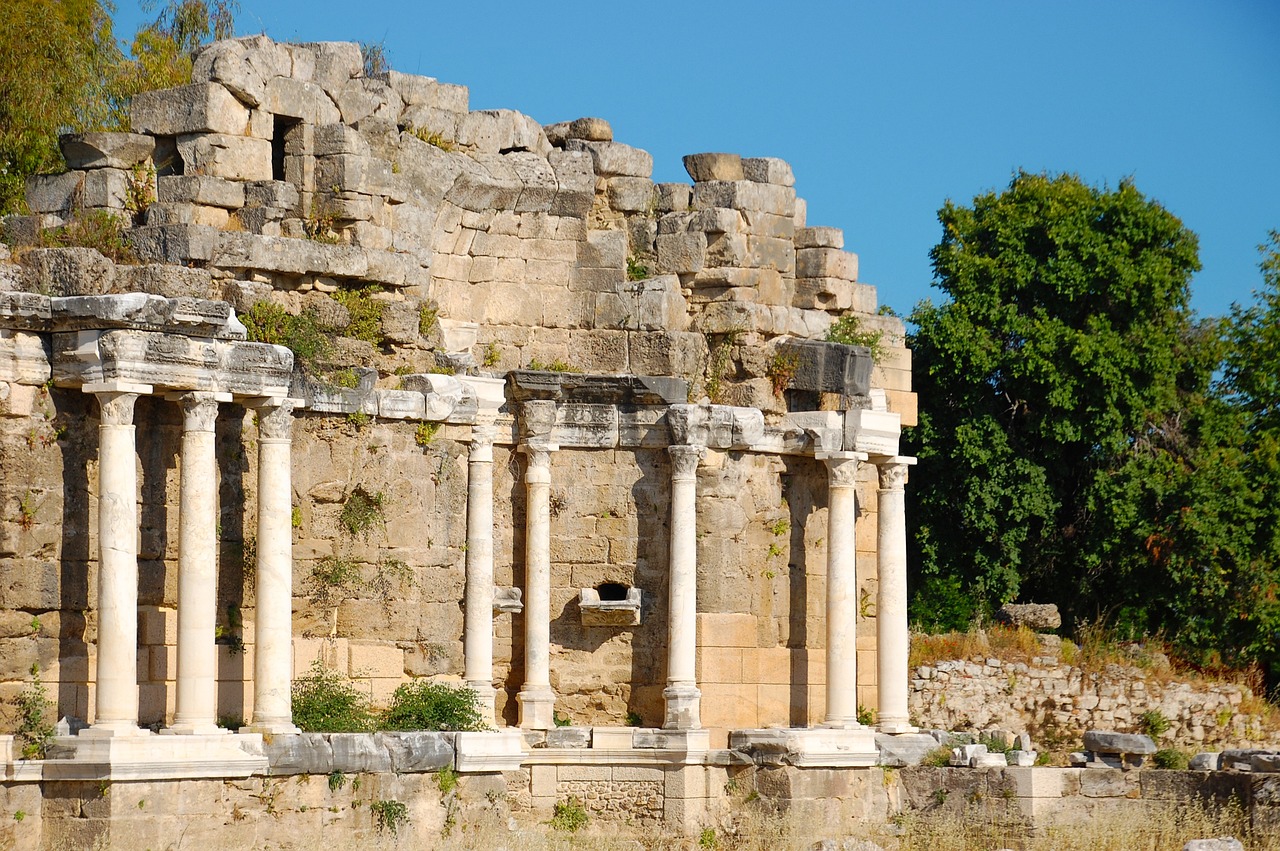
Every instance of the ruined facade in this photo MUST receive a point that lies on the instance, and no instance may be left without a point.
(413, 390)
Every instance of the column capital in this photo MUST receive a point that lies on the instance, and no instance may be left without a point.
(538, 462)
(275, 422)
(199, 410)
(892, 470)
(481, 447)
(842, 467)
(685, 458)
(116, 407)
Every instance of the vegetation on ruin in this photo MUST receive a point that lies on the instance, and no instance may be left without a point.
(781, 369)
(428, 315)
(100, 230)
(362, 511)
(1084, 438)
(35, 710)
(365, 311)
(324, 701)
(849, 331)
(425, 433)
(424, 705)
(569, 816)
(269, 322)
(430, 137)
(637, 270)
(557, 365)
(62, 70)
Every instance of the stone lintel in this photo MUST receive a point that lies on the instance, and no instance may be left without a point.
(526, 385)
(118, 387)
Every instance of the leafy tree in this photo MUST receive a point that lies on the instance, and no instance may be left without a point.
(1064, 341)
(54, 55)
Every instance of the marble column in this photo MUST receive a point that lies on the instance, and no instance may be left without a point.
(197, 691)
(273, 617)
(116, 709)
(892, 638)
(682, 697)
(537, 700)
(842, 590)
(478, 636)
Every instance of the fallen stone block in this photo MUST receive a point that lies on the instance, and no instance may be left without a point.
(105, 150)
(1035, 616)
(989, 760)
(702, 167)
(1208, 761)
(1264, 762)
(69, 271)
(1222, 843)
(904, 749)
(964, 755)
(1103, 742)
(197, 108)
(1021, 758)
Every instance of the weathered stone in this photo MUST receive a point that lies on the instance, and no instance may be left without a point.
(359, 99)
(197, 108)
(54, 193)
(575, 179)
(175, 243)
(830, 367)
(682, 253)
(305, 753)
(105, 150)
(165, 280)
(745, 195)
(569, 737)
(906, 749)
(231, 157)
(590, 129)
(497, 130)
(400, 322)
(673, 197)
(1265, 762)
(200, 189)
(768, 170)
(1101, 742)
(70, 271)
(1037, 616)
(300, 99)
(826, 263)
(630, 194)
(613, 159)
(713, 167)
(417, 750)
(1208, 761)
(1222, 843)
(819, 237)
(336, 62)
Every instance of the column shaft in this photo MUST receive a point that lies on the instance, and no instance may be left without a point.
(273, 621)
(478, 635)
(197, 691)
(683, 699)
(842, 593)
(892, 637)
(116, 711)
(537, 701)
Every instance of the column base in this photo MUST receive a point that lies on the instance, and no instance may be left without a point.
(896, 728)
(842, 724)
(537, 708)
(194, 728)
(271, 728)
(114, 729)
(486, 697)
(684, 707)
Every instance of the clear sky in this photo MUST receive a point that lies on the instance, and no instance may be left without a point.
(884, 109)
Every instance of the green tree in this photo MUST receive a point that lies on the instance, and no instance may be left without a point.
(54, 57)
(1064, 340)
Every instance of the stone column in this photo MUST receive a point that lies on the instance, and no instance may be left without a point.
(273, 618)
(478, 637)
(683, 699)
(197, 692)
(116, 710)
(892, 638)
(537, 701)
(842, 590)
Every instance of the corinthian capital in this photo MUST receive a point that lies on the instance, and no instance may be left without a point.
(684, 461)
(842, 472)
(893, 476)
(199, 411)
(276, 422)
(117, 408)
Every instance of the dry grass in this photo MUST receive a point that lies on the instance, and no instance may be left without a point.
(999, 642)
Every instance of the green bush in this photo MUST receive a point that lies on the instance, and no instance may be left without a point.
(569, 815)
(1171, 759)
(1153, 723)
(365, 311)
(324, 701)
(424, 705)
(35, 730)
(304, 335)
(96, 229)
(848, 330)
(362, 511)
(389, 815)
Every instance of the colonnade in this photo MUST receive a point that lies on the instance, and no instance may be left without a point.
(681, 696)
(116, 710)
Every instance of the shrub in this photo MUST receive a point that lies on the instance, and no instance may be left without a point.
(304, 335)
(425, 433)
(1172, 759)
(361, 511)
(848, 330)
(96, 229)
(1153, 723)
(324, 701)
(569, 815)
(389, 815)
(636, 269)
(35, 730)
(365, 311)
(424, 705)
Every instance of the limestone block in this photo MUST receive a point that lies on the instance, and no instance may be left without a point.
(1035, 616)
(483, 187)
(745, 195)
(105, 150)
(175, 243)
(418, 750)
(54, 193)
(375, 660)
(196, 108)
(1101, 742)
(569, 737)
(830, 367)
(681, 353)
(231, 157)
(630, 194)
(70, 271)
(168, 213)
(24, 360)
(496, 130)
(299, 99)
(105, 187)
(290, 256)
(702, 167)
(1222, 843)
(354, 753)
(769, 253)
(336, 62)
(767, 170)
(826, 263)
(823, 294)
(415, 90)
(165, 280)
(200, 189)
(1209, 761)
(604, 250)
(575, 179)
(673, 197)
(361, 98)
(819, 237)
(682, 253)
(588, 129)
(905, 749)
(332, 139)
(539, 184)
(613, 159)
(660, 305)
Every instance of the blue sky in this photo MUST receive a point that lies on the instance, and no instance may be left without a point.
(887, 109)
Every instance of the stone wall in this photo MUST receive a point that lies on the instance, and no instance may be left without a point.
(1057, 702)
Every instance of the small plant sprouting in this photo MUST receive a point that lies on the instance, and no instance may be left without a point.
(708, 839)
(556, 365)
(140, 189)
(425, 433)
(359, 419)
(781, 369)
(427, 318)
(430, 137)
(337, 780)
(492, 354)
(1154, 723)
(866, 717)
(848, 330)
(35, 730)
(295, 517)
(362, 511)
(634, 719)
(636, 269)
(27, 512)
(780, 527)
(389, 815)
(560, 720)
(569, 816)
(446, 779)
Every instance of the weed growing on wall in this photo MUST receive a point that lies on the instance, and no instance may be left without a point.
(365, 311)
(304, 335)
(781, 369)
(848, 330)
(35, 730)
(362, 511)
(424, 705)
(569, 815)
(389, 815)
(96, 229)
